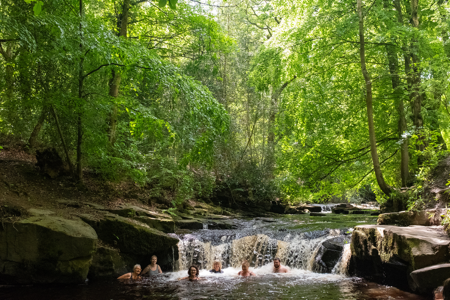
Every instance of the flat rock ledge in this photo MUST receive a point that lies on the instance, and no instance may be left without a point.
(390, 255)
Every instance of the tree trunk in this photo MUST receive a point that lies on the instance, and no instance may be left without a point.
(404, 154)
(63, 141)
(398, 93)
(373, 144)
(114, 85)
(80, 97)
(416, 93)
(37, 129)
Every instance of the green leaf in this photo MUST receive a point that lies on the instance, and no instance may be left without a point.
(173, 4)
(38, 8)
(162, 3)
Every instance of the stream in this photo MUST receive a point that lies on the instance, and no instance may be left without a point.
(295, 239)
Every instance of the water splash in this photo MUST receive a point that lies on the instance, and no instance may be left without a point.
(342, 265)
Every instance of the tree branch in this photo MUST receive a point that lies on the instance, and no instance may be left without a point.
(395, 152)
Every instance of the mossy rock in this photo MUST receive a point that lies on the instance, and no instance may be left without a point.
(189, 224)
(389, 253)
(164, 225)
(107, 262)
(130, 211)
(128, 235)
(46, 249)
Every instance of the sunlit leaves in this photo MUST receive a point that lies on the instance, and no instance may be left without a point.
(37, 8)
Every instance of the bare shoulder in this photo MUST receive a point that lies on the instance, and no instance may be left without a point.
(124, 276)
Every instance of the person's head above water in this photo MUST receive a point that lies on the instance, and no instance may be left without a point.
(137, 269)
(217, 266)
(277, 267)
(193, 271)
(245, 265)
(276, 263)
(153, 260)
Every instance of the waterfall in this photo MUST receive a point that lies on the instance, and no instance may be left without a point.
(295, 249)
(342, 265)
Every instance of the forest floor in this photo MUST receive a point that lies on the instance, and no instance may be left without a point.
(23, 186)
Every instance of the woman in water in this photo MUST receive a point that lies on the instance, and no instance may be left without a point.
(152, 268)
(134, 276)
(193, 273)
(217, 267)
(245, 271)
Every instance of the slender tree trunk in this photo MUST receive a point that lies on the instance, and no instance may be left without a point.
(373, 144)
(398, 93)
(404, 154)
(416, 93)
(37, 128)
(63, 141)
(114, 85)
(80, 97)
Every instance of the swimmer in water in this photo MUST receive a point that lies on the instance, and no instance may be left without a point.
(134, 276)
(277, 268)
(193, 273)
(152, 268)
(217, 267)
(245, 271)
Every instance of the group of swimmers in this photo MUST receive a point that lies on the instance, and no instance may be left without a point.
(193, 271)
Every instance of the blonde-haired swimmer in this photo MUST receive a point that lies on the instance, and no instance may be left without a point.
(134, 276)
(217, 267)
(245, 271)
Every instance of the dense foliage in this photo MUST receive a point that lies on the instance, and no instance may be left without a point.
(266, 99)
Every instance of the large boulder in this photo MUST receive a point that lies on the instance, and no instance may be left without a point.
(429, 278)
(311, 208)
(46, 248)
(406, 218)
(345, 208)
(129, 235)
(294, 210)
(388, 254)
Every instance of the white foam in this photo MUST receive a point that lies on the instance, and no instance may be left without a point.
(266, 270)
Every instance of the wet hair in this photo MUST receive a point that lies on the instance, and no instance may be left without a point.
(217, 262)
(246, 263)
(136, 266)
(196, 268)
(154, 257)
(277, 258)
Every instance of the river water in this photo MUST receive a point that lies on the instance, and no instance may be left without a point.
(294, 238)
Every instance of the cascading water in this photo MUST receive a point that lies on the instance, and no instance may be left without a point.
(295, 249)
